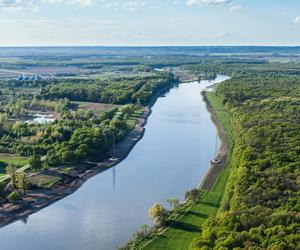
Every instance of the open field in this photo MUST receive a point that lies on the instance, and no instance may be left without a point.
(97, 108)
(6, 159)
(187, 224)
(6, 74)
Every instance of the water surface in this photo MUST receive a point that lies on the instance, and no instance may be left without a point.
(171, 158)
(41, 118)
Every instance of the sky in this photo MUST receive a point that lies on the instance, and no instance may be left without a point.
(149, 22)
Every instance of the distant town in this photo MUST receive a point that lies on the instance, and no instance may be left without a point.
(24, 77)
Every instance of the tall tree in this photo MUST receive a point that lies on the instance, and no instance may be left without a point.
(22, 182)
(158, 214)
(11, 170)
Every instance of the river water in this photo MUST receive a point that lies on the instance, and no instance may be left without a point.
(172, 157)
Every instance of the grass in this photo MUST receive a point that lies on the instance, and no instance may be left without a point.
(97, 108)
(7, 159)
(64, 170)
(187, 226)
(222, 114)
(45, 181)
(132, 119)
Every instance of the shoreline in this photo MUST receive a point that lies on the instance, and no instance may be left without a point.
(210, 178)
(209, 184)
(35, 200)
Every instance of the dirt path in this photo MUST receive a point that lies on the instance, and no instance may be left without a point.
(215, 168)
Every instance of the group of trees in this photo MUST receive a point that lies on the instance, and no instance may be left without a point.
(114, 91)
(262, 206)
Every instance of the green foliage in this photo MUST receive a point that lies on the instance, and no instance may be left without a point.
(158, 214)
(11, 170)
(193, 195)
(113, 91)
(36, 162)
(22, 182)
(14, 197)
(261, 209)
(173, 202)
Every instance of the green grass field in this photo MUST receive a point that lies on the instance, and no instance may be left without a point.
(187, 225)
(6, 159)
(97, 108)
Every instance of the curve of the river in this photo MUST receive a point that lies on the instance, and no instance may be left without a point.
(171, 158)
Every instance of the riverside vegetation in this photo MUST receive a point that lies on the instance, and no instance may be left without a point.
(77, 135)
(255, 202)
(261, 209)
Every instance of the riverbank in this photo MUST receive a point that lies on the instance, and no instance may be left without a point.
(67, 182)
(186, 222)
(37, 199)
(218, 163)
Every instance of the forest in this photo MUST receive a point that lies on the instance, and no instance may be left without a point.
(261, 206)
(114, 91)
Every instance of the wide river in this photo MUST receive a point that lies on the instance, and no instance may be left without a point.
(172, 158)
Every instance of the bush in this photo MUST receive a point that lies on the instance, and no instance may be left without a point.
(14, 197)
(193, 195)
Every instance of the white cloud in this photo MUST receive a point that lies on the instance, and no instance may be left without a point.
(18, 4)
(35, 4)
(133, 5)
(82, 2)
(208, 2)
(297, 20)
(235, 7)
(31, 4)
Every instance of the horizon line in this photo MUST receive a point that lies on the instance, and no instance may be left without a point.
(141, 46)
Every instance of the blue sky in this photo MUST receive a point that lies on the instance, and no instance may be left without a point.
(149, 22)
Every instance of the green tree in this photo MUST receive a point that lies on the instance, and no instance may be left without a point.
(36, 162)
(158, 214)
(67, 156)
(22, 182)
(14, 196)
(193, 195)
(173, 202)
(11, 170)
(82, 152)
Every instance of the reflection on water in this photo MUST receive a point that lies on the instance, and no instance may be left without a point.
(172, 157)
(41, 118)
(114, 177)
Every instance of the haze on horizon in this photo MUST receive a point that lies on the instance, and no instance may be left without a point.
(145, 22)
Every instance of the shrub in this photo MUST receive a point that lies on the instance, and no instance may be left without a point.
(14, 197)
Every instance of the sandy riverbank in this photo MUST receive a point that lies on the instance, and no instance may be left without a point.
(215, 168)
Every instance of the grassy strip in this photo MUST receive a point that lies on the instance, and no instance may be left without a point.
(188, 226)
(133, 118)
(5, 160)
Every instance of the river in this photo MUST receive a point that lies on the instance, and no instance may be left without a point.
(171, 158)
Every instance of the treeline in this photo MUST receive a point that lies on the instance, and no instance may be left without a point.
(114, 91)
(261, 209)
(238, 68)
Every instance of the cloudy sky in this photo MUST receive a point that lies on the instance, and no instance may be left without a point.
(149, 22)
